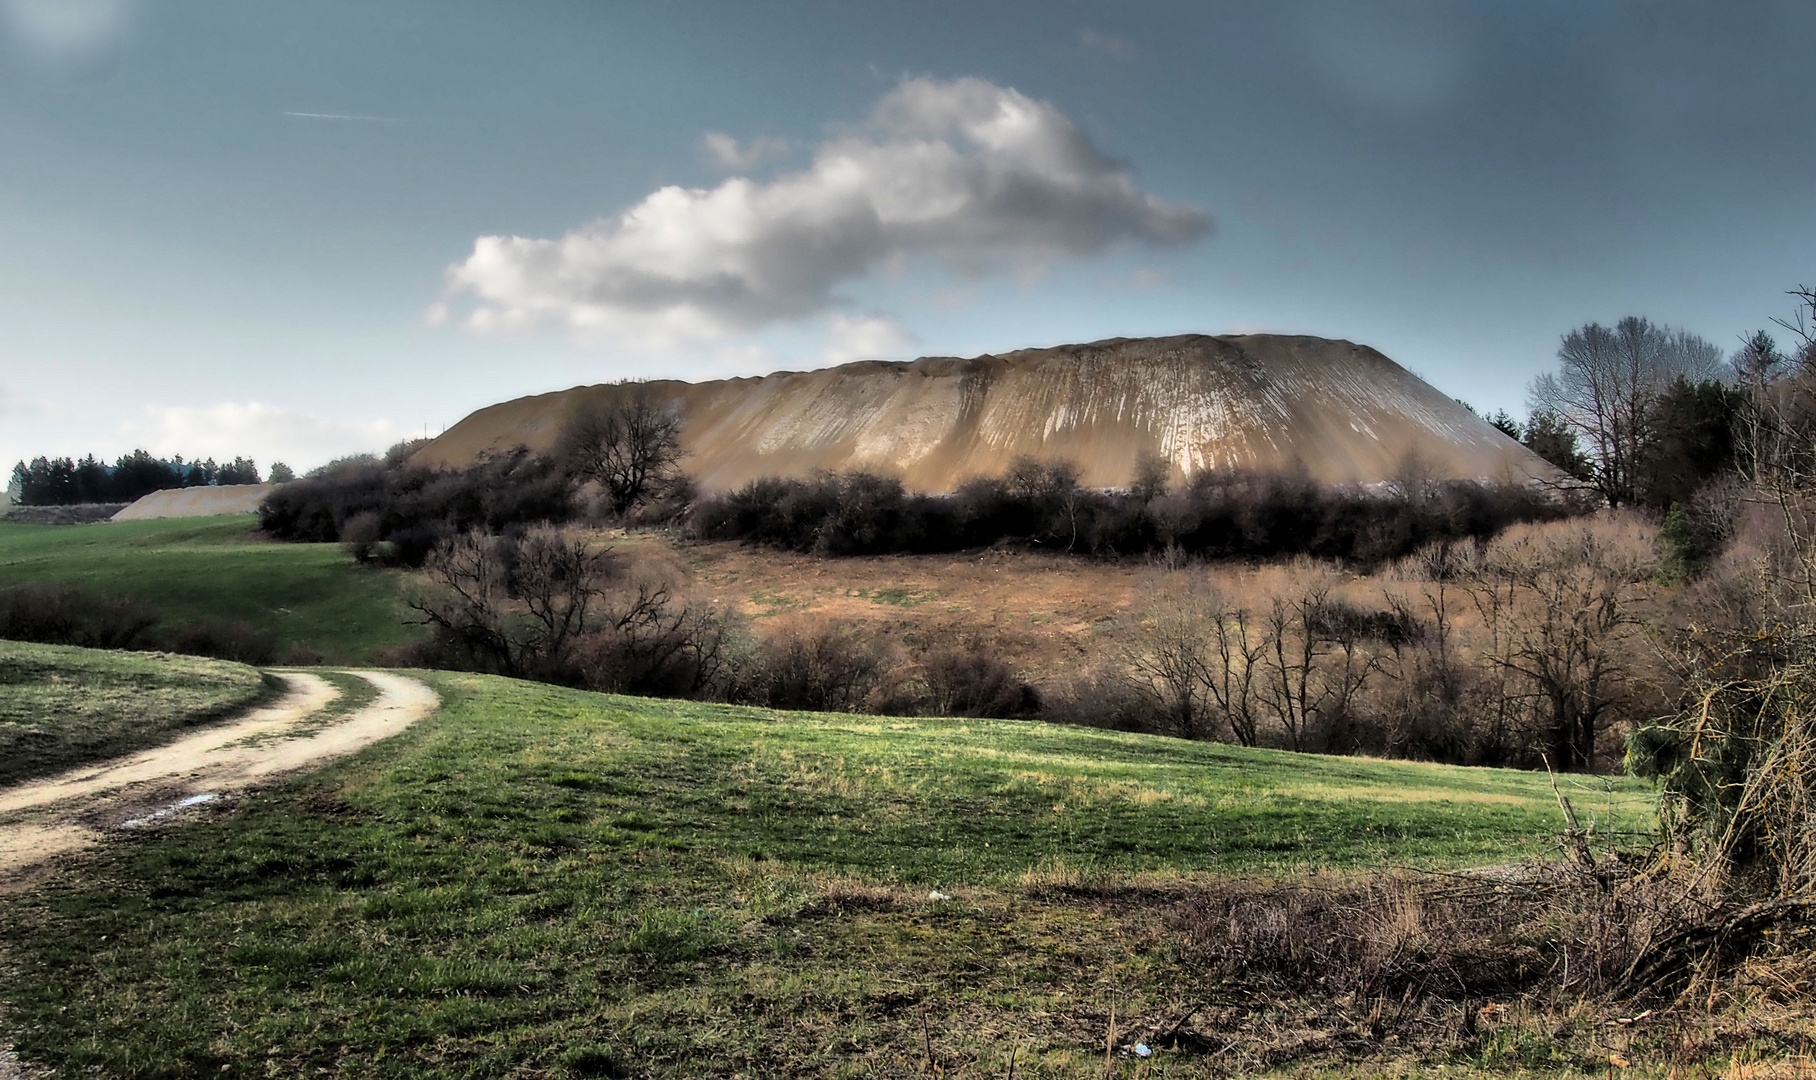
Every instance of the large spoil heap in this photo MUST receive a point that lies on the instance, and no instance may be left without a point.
(1339, 411)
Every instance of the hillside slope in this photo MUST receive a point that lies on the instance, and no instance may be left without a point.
(1343, 412)
(193, 570)
(545, 882)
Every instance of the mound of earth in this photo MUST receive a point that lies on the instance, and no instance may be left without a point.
(1340, 411)
(196, 502)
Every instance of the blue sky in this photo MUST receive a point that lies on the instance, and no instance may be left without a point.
(301, 229)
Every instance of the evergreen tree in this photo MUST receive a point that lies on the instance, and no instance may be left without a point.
(1549, 437)
(1693, 440)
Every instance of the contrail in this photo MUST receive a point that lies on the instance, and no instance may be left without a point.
(346, 116)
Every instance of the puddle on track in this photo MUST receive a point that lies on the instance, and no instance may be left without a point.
(174, 808)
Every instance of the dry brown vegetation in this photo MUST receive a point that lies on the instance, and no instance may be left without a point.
(1534, 645)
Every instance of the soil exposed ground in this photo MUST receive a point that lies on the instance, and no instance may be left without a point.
(45, 819)
(1341, 411)
(1048, 615)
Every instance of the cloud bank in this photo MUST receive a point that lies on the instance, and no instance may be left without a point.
(263, 432)
(977, 176)
(729, 153)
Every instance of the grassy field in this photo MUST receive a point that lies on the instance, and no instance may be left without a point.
(61, 707)
(547, 883)
(195, 568)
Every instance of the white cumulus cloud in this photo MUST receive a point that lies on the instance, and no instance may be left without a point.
(978, 176)
(265, 433)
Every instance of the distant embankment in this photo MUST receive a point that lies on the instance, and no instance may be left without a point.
(1340, 411)
(209, 501)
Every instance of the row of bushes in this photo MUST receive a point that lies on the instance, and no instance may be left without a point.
(615, 456)
(1223, 514)
(388, 511)
(60, 615)
(550, 604)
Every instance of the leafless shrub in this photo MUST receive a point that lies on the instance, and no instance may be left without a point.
(965, 680)
(223, 639)
(1101, 696)
(360, 535)
(1558, 928)
(60, 615)
(557, 606)
(826, 667)
(1561, 606)
(651, 642)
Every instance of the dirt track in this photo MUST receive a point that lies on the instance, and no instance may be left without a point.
(45, 819)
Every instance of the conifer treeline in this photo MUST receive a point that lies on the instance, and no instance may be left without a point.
(47, 481)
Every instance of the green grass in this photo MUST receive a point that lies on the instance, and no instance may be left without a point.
(897, 595)
(549, 883)
(195, 568)
(61, 707)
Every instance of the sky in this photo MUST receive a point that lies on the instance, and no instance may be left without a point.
(303, 229)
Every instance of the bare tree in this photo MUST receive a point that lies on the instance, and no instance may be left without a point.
(628, 440)
(1314, 661)
(1802, 325)
(1200, 658)
(1052, 487)
(1427, 711)
(1231, 685)
(517, 607)
(1414, 481)
(1171, 661)
(1562, 606)
(1606, 382)
(1778, 449)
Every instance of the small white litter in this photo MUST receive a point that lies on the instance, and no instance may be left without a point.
(177, 807)
(937, 895)
(1141, 1050)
